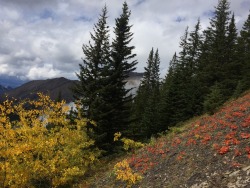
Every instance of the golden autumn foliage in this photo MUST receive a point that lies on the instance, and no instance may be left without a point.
(127, 143)
(39, 144)
(124, 173)
(122, 169)
(131, 144)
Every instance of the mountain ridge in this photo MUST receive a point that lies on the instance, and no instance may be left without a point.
(4, 89)
(57, 88)
(11, 81)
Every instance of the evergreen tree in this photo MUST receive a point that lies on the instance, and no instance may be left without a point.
(232, 70)
(181, 82)
(155, 73)
(147, 99)
(219, 30)
(194, 48)
(171, 71)
(103, 75)
(142, 97)
(176, 93)
(213, 100)
(238, 90)
(231, 41)
(214, 57)
(150, 117)
(243, 53)
(92, 90)
(146, 81)
(204, 65)
(192, 82)
(184, 50)
(180, 90)
(122, 65)
(165, 104)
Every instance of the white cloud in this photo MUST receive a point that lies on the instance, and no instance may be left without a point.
(11, 14)
(46, 71)
(22, 54)
(3, 68)
(41, 39)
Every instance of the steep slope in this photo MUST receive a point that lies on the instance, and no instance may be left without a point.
(209, 152)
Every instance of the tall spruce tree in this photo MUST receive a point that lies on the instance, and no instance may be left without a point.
(193, 85)
(155, 73)
(231, 41)
(150, 116)
(171, 71)
(179, 86)
(194, 43)
(141, 99)
(92, 92)
(147, 99)
(216, 60)
(204, 65)
(123, 63)
(232, 70)
(166, 104)
(184, 50)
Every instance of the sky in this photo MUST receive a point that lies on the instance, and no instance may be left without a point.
(41, 39)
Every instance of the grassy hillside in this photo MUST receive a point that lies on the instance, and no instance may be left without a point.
(209, 151)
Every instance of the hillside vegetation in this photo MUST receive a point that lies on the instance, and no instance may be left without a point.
(209, 151)
(40, 147)
(45, 144)
(212, 66)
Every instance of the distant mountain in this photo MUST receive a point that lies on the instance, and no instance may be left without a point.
(55, 88)
(4, 89)
(136, 74)
(11, 81)
(59, 88)
(134, 81)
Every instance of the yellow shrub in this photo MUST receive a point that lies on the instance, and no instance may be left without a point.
(117, 136)
(125, 173)
(37, 143)
(131, 144)
(128, 143)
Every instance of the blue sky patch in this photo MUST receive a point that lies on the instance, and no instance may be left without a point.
(83, 18)
(45, 14)
(180, 19)
(208, 13)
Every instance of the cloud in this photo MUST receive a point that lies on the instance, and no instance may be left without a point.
(3, 68)
(43, 39)
(46, 71)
